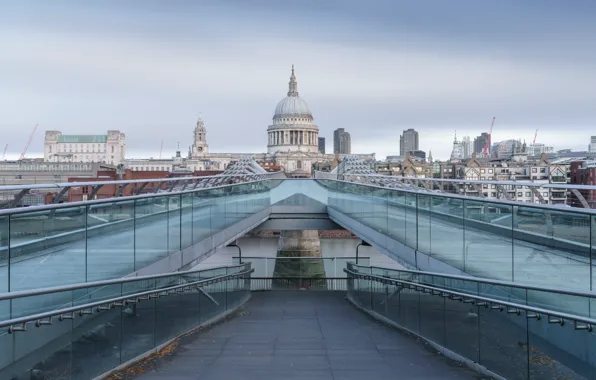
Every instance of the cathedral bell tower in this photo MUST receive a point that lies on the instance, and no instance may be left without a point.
(200, 147)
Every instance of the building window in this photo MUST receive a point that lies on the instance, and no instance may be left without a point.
(534, 170)
(520, 194)
(112, 148)
(527, 194)
(482, 171)
(545, 194)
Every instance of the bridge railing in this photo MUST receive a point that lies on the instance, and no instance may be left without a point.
(12, 196)
(553, 190)
(575, 302)
(506, 240)
(128, 232)
(86, 330)
(492, 335)
(500, 239)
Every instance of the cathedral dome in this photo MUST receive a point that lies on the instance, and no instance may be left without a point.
(292, 105)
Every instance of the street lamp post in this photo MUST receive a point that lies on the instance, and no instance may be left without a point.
(239, 251)
(363, 243)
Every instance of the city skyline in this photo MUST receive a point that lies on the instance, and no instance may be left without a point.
(150, 77)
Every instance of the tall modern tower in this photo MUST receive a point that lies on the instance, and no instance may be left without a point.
(322, 145)
(408, 141)
(342, 142)
(480, 142)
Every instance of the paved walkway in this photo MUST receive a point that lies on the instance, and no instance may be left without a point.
(304, 335)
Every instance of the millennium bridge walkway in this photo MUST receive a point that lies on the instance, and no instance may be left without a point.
(108, 288)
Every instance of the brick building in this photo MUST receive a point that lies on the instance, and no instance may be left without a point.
(584, 173)
(83, 193)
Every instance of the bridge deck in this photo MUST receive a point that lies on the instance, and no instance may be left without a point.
(304, 335)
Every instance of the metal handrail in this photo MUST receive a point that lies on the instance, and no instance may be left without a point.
(491, 303)
(93, 284)
(300, 257)
(472, 199)
(476, 181)
(123, 181)
(111, 303)
(31, 209)
(519, 285)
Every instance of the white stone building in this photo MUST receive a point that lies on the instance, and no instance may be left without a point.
(535, 150)
(109, 148)
(292, 143)
(292, 128)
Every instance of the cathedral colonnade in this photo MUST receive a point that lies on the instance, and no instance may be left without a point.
(293, 137)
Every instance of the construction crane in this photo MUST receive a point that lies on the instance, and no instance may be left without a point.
(4, 152)
(161, 149)
(535, 134)
(28, 142)
(488, 144)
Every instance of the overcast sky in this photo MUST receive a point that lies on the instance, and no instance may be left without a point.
(374, 67)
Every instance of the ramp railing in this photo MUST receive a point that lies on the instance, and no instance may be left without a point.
(501, 338)
(109, 324)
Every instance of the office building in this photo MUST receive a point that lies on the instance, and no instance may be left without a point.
(592, 146)
(408, 141)
(420, 154)
(536, 149)
(480, 142)
(322, 145)
(342, 143)
(467, 147)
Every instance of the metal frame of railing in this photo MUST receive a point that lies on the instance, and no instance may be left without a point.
(436, 185)
(261, 177)
(46, 318)
(264, 284)
(172, 184)
(92, 284)
(54, 206)
(517, 285)
(548, 211)
(266, 259)
(531, 312)
(422, 191)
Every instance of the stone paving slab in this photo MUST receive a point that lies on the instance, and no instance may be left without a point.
(305, 335)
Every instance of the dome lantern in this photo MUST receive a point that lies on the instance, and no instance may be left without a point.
(293, 85)
(292, 105)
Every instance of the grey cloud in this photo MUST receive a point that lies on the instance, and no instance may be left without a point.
(375, 68)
